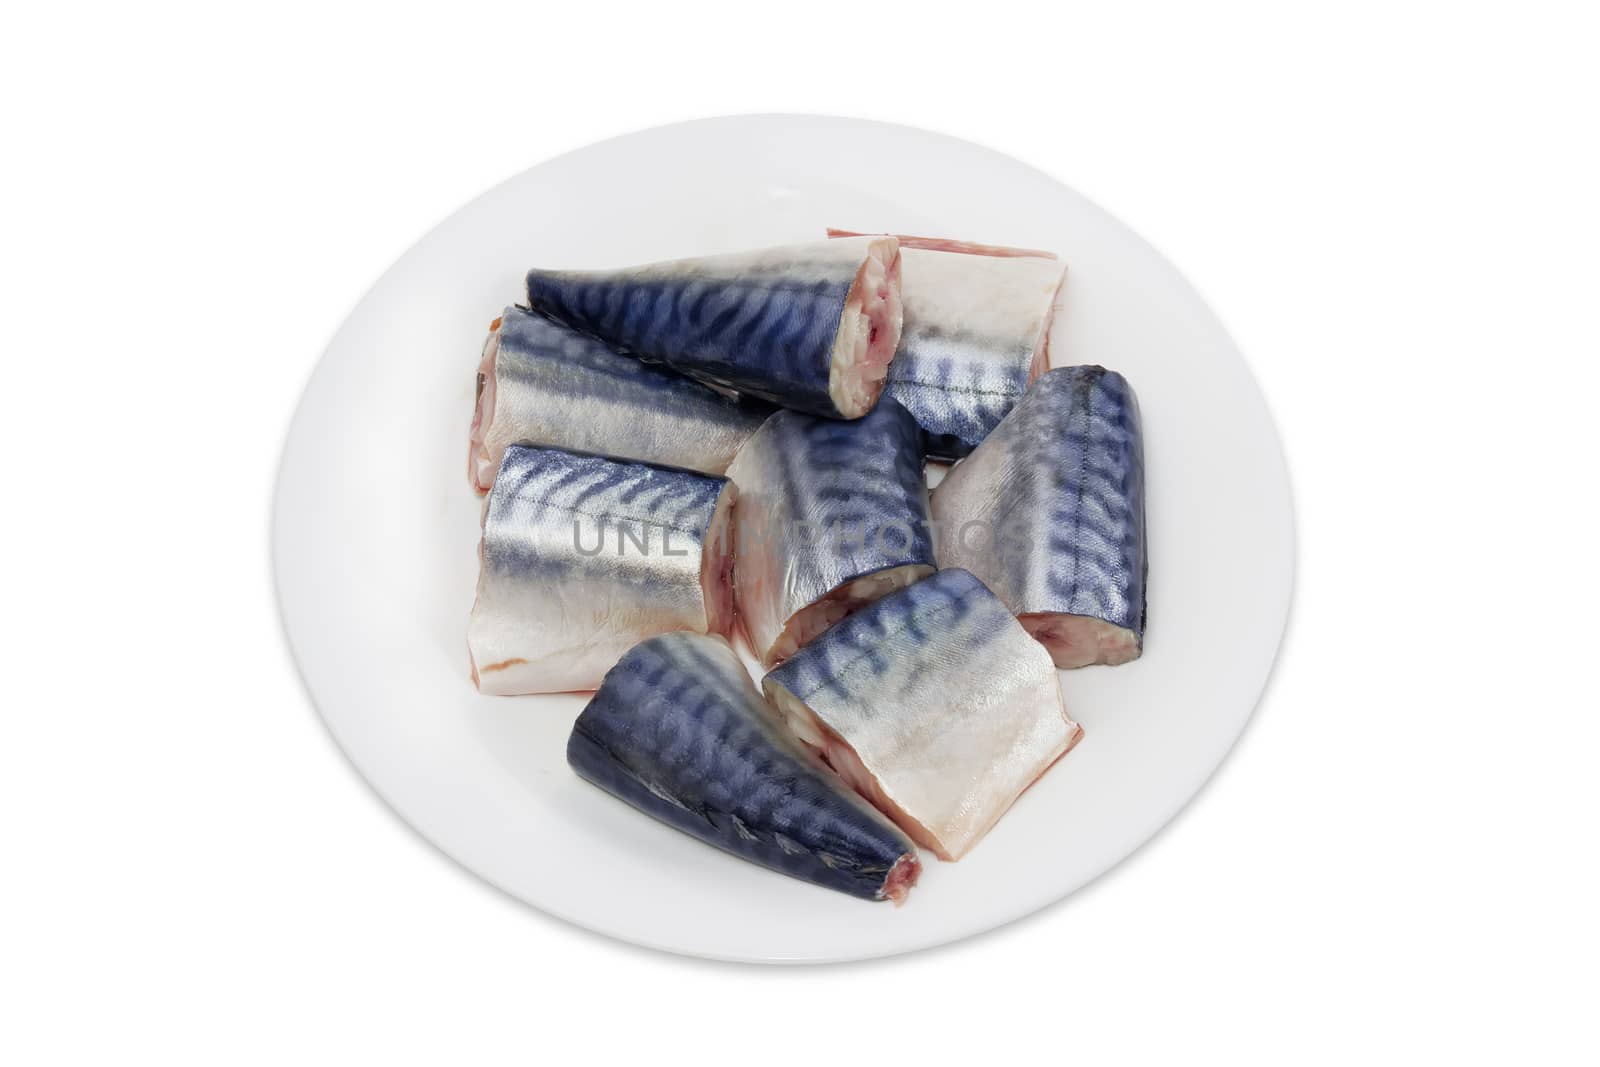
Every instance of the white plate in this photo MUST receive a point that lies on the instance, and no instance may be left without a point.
(376, 529)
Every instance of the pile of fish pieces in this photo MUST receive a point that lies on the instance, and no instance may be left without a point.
(733, 448)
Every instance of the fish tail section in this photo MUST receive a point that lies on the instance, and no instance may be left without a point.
(678, 731)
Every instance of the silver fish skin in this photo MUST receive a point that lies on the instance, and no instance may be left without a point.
(540, 383)
(976, 334)
(678, 730)
(934, 703)
(583, 556)
(811, 326)
(1049, 513)
(831, 515)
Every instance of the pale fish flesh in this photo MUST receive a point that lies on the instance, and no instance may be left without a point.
(1049, 512)
(582, 557)
(934, 704)
(831, 515)
(810, 326)
(678, 730)
(540, 383)
(976, 334)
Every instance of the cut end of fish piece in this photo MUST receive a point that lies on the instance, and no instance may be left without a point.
(480, 464)
(976, 332)
(1081, 641)
(1041, 348)
(716, 564)
(869, 332)
(933, 704)
(807, 624)
(1068, 459)
(941, 244)
(811, 731)
(1041, 351)
(504, 679)
(902, 876)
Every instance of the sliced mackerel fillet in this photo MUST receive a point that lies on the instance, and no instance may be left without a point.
(541, 383)
(831, 515)
(583, 557)
(811, 326)
(934, 704)
(1049, 513)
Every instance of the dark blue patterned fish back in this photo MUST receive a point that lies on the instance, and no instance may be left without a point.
(863, 480)
(957, 402)
(951, 604)
(761, 333)
(615, 492)
(566, 360)
(1086, 422)
(678, 731)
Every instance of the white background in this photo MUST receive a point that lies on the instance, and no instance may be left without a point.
(1393, 207)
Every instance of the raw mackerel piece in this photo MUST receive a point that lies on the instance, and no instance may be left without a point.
(976, 334)
(934, 704)
(809, 326)
(1049, 513)
(831, 515)
(678, 730)
(542, 384)
(583, 556)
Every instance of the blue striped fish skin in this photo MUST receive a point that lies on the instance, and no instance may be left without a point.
(831, 514)
(765, 323)
(938, 676)
(1049, 512)
(541, 383)
(678, 730)
(976, 334)
(584, 556)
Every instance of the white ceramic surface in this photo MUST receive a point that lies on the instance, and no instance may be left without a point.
(375, 535)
